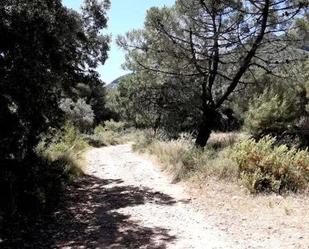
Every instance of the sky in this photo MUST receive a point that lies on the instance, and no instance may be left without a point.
(124, 16)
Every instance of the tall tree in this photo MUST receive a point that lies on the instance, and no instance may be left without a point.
(45, 50)
(217, 43)
(150, 101)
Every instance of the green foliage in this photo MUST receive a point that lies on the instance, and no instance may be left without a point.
(266, 167)
(36, 183)
(110, 133)
(112, 104)
(72, 165)
(185, 75)
(306, 83)
(142, 143)
(219, 141)
(113, 133)
(64, 149)
(273, 111)
(261, 166)
(94, 93)
(46, 50)
(111, 125)
(54, 44)
(68, 140)
(177, 156)
(148, 101)
(135, 101)
(79, 113)
(300, 32)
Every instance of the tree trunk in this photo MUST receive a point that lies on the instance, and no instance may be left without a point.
(209, 123)
(202, 136)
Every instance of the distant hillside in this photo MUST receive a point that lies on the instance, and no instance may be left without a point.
(114, 84)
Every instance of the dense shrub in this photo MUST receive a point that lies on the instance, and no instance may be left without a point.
(68, 140)
(262, 166)
(58, 159)
(222, 140)
(112, 126)
(266, 167)
(65, 149)
(141, 143)
(36, 183)
(184, 160)
(79, 113)
(272, 111)
(110, 133)
(178, 156)
(113, 133)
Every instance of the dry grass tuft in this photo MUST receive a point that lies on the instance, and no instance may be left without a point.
(181, 158)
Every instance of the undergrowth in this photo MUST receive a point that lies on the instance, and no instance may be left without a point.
(112, 133)
(260, 166)
(265, 167)
(65, 148)
(185, 161)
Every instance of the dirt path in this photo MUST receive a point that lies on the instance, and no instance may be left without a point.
(145, 209)
(124, 201)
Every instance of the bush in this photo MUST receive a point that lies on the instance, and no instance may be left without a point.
(184, 160)
(266, 167)
(143, 141)
(222, 140)
(178, 156)
(111, 125)
(65, 150)
(272, 111)
(69, 140)
(36, 183)
(262, 166)
(79, 113)
(111, 133)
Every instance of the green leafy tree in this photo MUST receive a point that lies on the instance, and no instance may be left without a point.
(94, 92)
(273, 111)
(79, 113)
(213, 43)
(300, 32)
(44, 49)
(147, 100)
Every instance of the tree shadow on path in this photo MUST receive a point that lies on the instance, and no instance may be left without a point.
(88, 218)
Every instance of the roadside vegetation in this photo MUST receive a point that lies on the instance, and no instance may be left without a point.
(50, 95)
(260, 166)
(218, 90)
(223, 95)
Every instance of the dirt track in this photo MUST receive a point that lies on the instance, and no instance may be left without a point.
(125, 202)
(157, 214)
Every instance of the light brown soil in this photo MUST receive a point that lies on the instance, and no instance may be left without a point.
(126, 201)
(256, 221)
(166, 208)
(214, 215)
